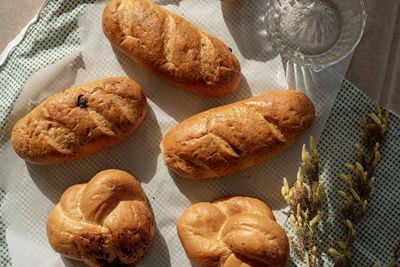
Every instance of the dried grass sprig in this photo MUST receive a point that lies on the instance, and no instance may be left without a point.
(305, 199)
(395, 256)
(360, 182)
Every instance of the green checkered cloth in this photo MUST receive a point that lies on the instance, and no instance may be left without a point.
(52, 37)
(55, 35)
(377, 233)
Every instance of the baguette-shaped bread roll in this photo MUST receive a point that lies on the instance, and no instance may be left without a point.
(80, 121)
(233, 231)
(171, 47)
(105, 222)
(230, 138)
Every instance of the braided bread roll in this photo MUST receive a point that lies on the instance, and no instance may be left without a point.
(103, 222)
(80, 121)
(233, 231)
(230, 138)
(171, 47)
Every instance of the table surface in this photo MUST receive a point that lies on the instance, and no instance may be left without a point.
(14, 15)
(375, 66)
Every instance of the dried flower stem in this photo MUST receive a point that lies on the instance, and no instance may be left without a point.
(305, 200)
(360, 182)
(395, 257)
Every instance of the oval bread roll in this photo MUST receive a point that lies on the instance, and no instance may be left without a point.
(171, 47)
(233, 231)
(105, 222)
(230, 138)
(80, 121)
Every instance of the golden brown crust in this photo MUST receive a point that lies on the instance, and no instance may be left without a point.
(171, 47)
(233, 231)
(80, 121)
(105, 221)
(230, 138)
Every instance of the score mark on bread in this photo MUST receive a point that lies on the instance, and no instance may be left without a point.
(171, 47)
(230, 138)
(80, 121)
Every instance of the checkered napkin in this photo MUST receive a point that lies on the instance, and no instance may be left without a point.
(33, 190)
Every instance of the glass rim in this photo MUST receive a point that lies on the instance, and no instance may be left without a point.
(318, 67)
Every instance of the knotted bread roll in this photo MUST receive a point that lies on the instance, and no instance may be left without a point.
(233, 231)
(103, 222)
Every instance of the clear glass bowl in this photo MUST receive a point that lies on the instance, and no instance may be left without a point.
(315, 33)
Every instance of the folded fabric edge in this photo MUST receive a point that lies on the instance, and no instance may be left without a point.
(20, 36)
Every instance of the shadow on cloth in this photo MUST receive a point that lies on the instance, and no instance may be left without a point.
(255, 181)
(173, 100)
(245, 22)
(137, 154)
(167, 2)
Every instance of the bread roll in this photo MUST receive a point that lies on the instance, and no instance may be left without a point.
(80, 121)
(230, 138)
(171, 47)
(233, 231)
(105, 222)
